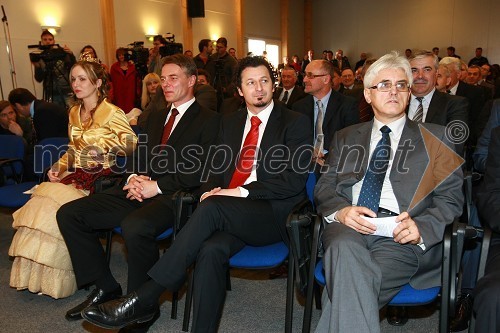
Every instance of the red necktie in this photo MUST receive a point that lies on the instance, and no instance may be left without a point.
(247, 155)
(168, 126)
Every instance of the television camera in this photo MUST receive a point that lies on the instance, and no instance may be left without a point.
(47, 53)
(171, 47)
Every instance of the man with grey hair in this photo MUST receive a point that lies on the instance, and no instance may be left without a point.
(474, 95)
(431, 106)
(364, 267)
(443, 79)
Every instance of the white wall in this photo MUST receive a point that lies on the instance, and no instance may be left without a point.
(380, 26)
(80, 22)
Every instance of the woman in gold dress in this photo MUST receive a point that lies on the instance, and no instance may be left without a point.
(98, 131)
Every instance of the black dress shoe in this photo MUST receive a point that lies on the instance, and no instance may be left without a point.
(142, 327)
(463, 313)
(97, 296)
(397, 315)
(120, 312)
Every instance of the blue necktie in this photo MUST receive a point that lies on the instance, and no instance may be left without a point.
(377, 168)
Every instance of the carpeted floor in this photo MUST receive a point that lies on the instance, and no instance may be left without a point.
(255, 303)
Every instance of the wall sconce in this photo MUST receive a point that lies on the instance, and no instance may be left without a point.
(150, 37)
(53, 29)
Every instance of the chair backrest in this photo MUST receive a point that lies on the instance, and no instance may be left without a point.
(47, 152)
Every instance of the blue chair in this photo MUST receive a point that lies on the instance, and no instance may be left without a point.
(407, 296)
(261, 257)
(11, 159)
(46, 153)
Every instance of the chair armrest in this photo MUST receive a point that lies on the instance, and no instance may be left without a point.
(183, 199)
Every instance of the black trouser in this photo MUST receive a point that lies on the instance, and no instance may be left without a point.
(219, 227)
(80, 220)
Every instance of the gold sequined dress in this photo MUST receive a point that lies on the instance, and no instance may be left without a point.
(41, 259)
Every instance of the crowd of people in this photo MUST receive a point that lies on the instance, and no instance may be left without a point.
(349, 125)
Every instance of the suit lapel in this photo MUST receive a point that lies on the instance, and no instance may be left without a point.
(183, 124)
(436, 105)
(331, 110)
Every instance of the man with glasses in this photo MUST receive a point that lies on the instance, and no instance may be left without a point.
(335, 110)
(390, 167)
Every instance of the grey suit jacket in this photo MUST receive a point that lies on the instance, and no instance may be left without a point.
(347, 166)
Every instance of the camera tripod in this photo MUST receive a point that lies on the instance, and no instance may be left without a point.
(52, 91)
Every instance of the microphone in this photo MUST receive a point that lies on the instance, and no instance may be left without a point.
(4, 18)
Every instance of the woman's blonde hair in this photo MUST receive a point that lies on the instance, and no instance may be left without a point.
(146, 97)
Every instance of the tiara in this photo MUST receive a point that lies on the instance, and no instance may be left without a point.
(87, 56)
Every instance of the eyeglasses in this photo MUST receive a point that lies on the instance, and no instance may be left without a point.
(310, 75)
(385, 86)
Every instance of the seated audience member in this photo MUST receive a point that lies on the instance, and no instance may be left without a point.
(474, 77)
(150, 84)
(463, 71)
(364, 270)
(349, 81)
(98, 131)
(328, 110)
(443, 79)
(487, 291)
(50, 120)
(188, 53)
(289, 92)
(340, 61)
(336, 79)
(426, 104)
(141, 204)
(232, 52)
(474, 95)
(478, 59)
(241, 205)
(435, 50)
(13, 124)
(203, 76)
(408, 53)
(362, 58)
(450, 50)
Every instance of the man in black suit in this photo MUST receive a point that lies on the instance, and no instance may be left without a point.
(141, 204)
(243, 204)
(50, 120)
(437, 107)
(289, 93)
(340, 60)
(475, 95)
(339, 111)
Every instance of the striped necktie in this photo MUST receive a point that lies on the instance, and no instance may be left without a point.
(419, 114)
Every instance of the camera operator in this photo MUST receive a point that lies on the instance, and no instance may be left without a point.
(154, 61)
(222, 68)
(53, 70)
